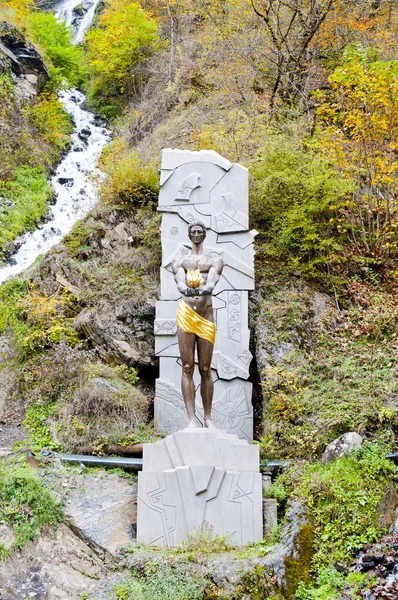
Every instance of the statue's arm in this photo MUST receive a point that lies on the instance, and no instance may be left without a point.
(179, 276)
(213, 277)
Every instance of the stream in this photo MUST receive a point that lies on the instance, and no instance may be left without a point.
(75, 183)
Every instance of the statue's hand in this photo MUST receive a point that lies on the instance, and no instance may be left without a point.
(191, 292)
(204, 292)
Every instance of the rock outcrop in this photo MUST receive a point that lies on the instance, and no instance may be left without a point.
(291, 559)
(103, 512)
(19, 57)
(123, 334)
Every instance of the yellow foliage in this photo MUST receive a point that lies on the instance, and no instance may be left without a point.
(48, 320)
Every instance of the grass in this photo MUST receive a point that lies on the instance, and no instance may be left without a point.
(338, 374)
(26, 505)
(343, 497)
(25, 200)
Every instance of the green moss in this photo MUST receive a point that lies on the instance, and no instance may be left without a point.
(256, 584)
(298, 569)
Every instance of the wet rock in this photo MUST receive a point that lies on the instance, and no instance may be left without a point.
(376, 557)
(22, 58)
(84, 134)
(103, 512)
(340, 567)
(99, 121)
(346, 443)
(10, 247)
(66, 181)
(79, 10)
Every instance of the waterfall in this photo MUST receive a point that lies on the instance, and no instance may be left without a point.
(76, 179)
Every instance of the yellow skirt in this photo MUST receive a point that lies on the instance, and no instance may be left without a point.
(191, 322)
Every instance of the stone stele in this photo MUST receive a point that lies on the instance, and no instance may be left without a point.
(204, 186)
(198, 479)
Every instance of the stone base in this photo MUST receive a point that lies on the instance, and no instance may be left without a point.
(199, 479)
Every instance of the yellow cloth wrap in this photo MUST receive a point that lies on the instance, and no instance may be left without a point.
(191, 322)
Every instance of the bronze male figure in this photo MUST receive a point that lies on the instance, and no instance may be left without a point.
(196, 275)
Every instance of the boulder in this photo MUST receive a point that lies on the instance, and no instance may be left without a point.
(79, 10)
(21, 57)
(103, 512)
(346, 443)
(123, 334)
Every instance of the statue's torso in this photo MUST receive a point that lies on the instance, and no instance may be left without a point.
(201, 304)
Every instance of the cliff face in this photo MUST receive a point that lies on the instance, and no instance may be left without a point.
(23, 61)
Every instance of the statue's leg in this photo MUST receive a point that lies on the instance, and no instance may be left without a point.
(205, 353)
(186, 343)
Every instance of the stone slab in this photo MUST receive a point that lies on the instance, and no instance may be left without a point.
(103, 510)
(199, 479)
(270, 515)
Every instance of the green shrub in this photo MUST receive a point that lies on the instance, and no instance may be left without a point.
(25, 504)
(293, 189)
(54, 37)
(129, 183)
(166, 583)
(28, 195)
(343, 497)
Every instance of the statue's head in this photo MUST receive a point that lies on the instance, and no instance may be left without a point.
(197, 231)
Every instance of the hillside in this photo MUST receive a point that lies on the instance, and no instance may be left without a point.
(304, 94)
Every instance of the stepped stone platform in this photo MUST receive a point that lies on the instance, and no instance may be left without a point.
(199, 478)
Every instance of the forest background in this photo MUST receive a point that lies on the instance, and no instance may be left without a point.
(305, 94)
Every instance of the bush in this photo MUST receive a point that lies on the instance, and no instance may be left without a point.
(343, 497)
(54, 37)
(130, 182)
(167, 583)
(25, 504)
(126, 34)
(293, 189)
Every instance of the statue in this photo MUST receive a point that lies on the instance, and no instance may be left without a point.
(196, 275)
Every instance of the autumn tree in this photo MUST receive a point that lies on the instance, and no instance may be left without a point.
(360, 134)
(291, 26)
(125, 36)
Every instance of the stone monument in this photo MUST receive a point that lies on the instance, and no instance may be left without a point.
(205, 187)
(206, 473)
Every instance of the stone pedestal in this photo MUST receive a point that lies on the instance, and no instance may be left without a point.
(197, 479)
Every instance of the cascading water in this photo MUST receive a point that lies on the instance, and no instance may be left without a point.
(74, 182)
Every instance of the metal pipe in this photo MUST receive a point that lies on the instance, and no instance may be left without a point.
(105, 461)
